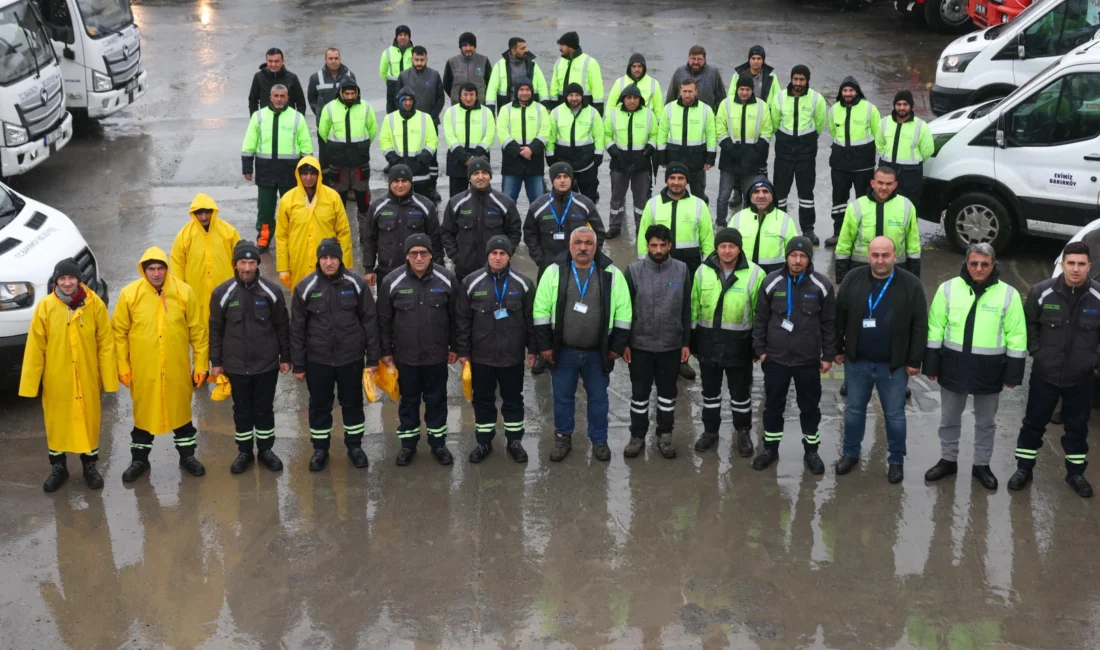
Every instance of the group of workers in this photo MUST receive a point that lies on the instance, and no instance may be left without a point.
(729, 294)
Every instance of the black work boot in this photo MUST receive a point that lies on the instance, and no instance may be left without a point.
(318, 461)
(563, 442)
(192, 466)
(985, 476)
(405, 456)
(809, 234)
(941, 469)
(767, 456)
(846, 464)
(895, 472)
(92, 478)
(706, 441)
(539, 367)
(1019, 479)
(135, 470)
(269, 460)
(443, 456)
(814, 462)
(481, 452)
(634, 447)
(59, 473)
(664, 445)
(358, 457)
(1079, 484)
(830, 242)
(516, 451)
(601, 452)
(612, 233)
(242, 462)
(744, 443)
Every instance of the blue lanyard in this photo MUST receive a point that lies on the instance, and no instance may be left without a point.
(498, 291)
(790, 302)
(564, 215)
(871, 306)
(581, 289)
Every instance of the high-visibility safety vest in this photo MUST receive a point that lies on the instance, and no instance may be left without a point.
(688, 219)
(394, 62)
(408, 137)
(908, 143)
(647, 85)
(865, 218)
(582, 69)
(687, 134)
(348, 132)
(523, 124)
(576, 136)
(467, 128)
(854, 126)
(719, 305)
(630, 131)
(765, 243)
(744, 123)
(798, 116)
(289, 141)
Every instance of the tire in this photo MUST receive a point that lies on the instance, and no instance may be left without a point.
(979, 217)
(948, 16)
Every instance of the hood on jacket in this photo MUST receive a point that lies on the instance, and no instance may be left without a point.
(306, 160)
(203, 202)
(507, 55)
(517, 84)
(760, 181)
(766, 71)
(151, 254)
(849, 81)
(402, 94)
(636, 58)
(632, 91)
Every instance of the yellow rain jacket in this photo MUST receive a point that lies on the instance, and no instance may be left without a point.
(158, 337)
(300, 226)
(203, 258)
(73, 354)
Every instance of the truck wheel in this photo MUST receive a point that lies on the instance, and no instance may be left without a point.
(977, 217)
(948, 16)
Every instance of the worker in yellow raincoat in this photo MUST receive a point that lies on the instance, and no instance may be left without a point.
(308, 214)
(70, 351)
(159, 337)
(202, 254)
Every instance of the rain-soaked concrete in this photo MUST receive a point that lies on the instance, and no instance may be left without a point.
(700, 552)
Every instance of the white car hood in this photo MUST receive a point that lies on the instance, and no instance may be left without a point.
(969, 44)
(955, 121)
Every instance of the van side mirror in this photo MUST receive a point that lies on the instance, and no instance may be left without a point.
(60, 33)
(1021, 51)
(999, 134)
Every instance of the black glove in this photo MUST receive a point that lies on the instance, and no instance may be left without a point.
(392, 158)
(425, 157)
(613, 150)
(481, 152)
(598, 160)
(649, 150)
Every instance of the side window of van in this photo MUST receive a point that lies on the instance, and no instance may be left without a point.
(1066, 110)
(1071, 23)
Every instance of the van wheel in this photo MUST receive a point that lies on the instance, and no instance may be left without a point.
(948, 16)
(976, 217)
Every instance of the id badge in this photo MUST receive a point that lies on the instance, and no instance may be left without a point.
(787, 325)
(559, 236)
(500, 314)
(868, 323)
(580, 307)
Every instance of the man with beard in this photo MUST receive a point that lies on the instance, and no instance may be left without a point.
(470, 130)
(880, 212)
(409, 137)
(347, 127)
(467, 67)
(904, 143)
(575, 66)
(744, 133)
(766, 229)
(577, 138)
(687, 135)
(515, 63)
(523, 129)
(765, 83)
(708, 79)
(637, 75)
(630, 132)
(474, 217)
(854, 123)
(799, 116)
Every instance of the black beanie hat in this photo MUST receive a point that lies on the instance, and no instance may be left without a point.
(245, 250)
(745, 81)
(479, 163)
(757, 49)
(728, 236)
(329, 247)
(571, 88)
(904, 95)
(402, 29)
(499, 243)
(802, 70)
(520, 82)
(417, 239)
(67, 266)
(400, 171)
(675, 168)
(800, 243)
(560, 168)
(570, 39)
(467, 38)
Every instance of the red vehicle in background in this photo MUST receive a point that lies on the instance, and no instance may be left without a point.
(994, 12)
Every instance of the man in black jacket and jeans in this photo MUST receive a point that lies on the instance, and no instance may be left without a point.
(794, 336)
(333, 328)
(1063, 337)
(250, 343)
(882, 330)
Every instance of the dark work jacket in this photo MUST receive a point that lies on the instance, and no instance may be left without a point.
(813, 312)
(1063, 338)
(259, 96)
(385, 226)
(333, 321)
(908, 317)
(483, 337)
(471, 219)
(416, 316)
(539, 226)
(249, 327)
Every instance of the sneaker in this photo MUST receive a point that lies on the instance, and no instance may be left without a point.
(242, 462)
(601, 452)
(633, 448)
(664, 445)
(58, 475)
(516, 451)
(563, 442)
(706, 441)
(269, 460)
(92, 478)
(443, 456)
(1080, 485)
(192, 466)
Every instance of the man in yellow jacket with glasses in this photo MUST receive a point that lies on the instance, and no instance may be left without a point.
(202, 253)
(308, 214)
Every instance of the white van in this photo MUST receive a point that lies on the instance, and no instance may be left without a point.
(1027, 165)
(33, 239)
(991, 63)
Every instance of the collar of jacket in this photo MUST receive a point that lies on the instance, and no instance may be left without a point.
(516, 104)
(503, 274)
(399, 48)
(786, 271)
(560, 198)
(481, 194)
(427, 273)
(1066, 290)
(475, 107)
(340, 72)
(994, 276)
(274, 75)
(765, 70)
(407, 115)
(680, 102)
(401, 200)
(576, 55)
(654, 264)
(508, 55)
(737, 99)
(894, 116)
(334, 277)
(871, 195)
(600, 260)
(712, 262)
(249, 285)
(667, 198)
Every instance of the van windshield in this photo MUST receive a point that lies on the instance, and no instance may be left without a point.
(105, 17)
(24, 48)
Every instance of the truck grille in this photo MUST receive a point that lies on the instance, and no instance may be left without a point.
(41, 113)
(123, 65)
(88, 272)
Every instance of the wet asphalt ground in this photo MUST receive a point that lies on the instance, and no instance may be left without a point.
(700, 552)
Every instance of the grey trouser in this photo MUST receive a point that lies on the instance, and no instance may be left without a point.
(728, 182)
(638, 184)
(985, 425)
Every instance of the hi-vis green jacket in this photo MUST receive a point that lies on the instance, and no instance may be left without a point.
(723, 312)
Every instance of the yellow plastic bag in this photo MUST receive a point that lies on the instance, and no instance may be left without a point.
(222, 389)
(368, 385)
(467, 382)
(386, 379)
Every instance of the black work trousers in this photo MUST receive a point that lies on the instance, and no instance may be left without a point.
(843, 182)
(458, 184)
(588, 183)
(347, 381)
(486, 380)
(1042, 398)
(697, 185)
(645, 368)
(807, 390)
(803, 172)
(141, 442)
(427, 384)
(739, 380)
(639, 185)
(254, 409)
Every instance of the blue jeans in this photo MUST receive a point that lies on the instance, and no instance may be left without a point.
(535, 186)
(862, 376)
(569, 366)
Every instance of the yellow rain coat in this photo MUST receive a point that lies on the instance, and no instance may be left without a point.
(203, 258)
(157, 339)
(300, 226)
(72, 353)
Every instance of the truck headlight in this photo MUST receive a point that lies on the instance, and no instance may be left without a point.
(939, 140)
(101, 83)
(958, 62)
(16, 295)
(14, 135)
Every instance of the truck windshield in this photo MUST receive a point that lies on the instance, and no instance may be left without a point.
(24, 48)
(105, 17)
(10, 207)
